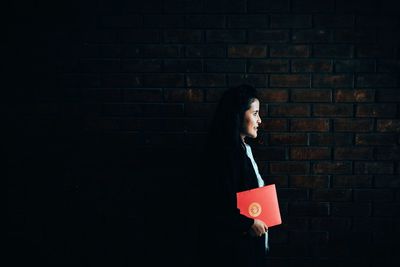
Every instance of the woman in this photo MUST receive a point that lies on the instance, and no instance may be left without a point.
(225, 236)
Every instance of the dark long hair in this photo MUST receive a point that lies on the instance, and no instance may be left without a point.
(224, 131)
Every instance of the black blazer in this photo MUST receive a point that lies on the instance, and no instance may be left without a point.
(223, 232)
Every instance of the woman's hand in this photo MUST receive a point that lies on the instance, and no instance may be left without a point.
(259, 227)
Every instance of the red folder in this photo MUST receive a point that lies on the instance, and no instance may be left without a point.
(260, 203)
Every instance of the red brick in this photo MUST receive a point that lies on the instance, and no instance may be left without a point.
(183, 95)
(247, 51)
(183, 65)
(358, 95)
(329, 139)
(291, 167)
(292, 110)
(332, 80)
(309, 153)
(333, 51)
(274, 125)
(205, 80)
(290, 51)
(268, 66)
(335, 167)
(306, 125)
(352, 181)
(333, 110)
(311, 65)
(257, 80)
(376, 139)
(311, 95)
(273, 95)
(376, 167)
(376, 80)
(309, 181)
(225, 65)
(311, 36)
(388, 125)
(353, 153)
(288, 139)
(353, 125)
(289, 80)
(278, 180)
(376, 110)
(332, 195)
(270, 153)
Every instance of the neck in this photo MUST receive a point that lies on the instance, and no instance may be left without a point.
(242, 136)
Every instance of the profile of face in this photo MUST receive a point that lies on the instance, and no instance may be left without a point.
(251, 120)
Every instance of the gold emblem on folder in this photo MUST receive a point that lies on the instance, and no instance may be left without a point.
(254, 209)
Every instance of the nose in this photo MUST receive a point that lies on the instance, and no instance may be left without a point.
(259, 119)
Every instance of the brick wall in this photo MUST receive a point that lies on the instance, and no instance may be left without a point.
(115, 99)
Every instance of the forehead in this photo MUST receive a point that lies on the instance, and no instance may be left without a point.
(255, 105)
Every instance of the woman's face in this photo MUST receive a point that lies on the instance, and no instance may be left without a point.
(251, 120)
